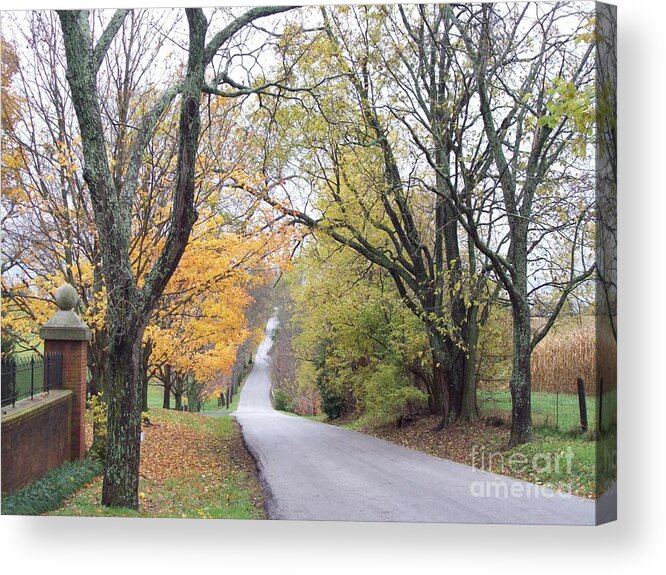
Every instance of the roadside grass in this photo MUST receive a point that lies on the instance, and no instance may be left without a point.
(191, 466)
(557, 460)
(561, 460)
(49, 491)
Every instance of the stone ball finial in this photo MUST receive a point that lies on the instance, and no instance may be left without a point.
(66, 297)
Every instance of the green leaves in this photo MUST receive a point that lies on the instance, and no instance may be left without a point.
(573, 105)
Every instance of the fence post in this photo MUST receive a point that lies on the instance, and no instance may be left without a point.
(582, 405)
(32, 377)
(65, 333)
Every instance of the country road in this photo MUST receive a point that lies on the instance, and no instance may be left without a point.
(312, 470)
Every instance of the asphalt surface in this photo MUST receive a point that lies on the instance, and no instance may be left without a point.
(316, 471)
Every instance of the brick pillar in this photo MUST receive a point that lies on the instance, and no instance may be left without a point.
(67, 334)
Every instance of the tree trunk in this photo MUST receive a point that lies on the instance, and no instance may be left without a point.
(521, 420)
(438, 387)
(455, 375)
(470, 410)
(178, 396)
(121, 472)
(448, 368)
(98, 346)
(167, 387)
(441, 399)
(128, 306)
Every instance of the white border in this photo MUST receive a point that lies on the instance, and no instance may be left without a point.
(632, 544)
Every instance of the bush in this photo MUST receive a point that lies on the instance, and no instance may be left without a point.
(97, 413)
(49, 492)
(332, 404)
(390, 399)
(282, 401)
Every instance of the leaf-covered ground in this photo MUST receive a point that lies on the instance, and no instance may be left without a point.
(191, 466)
(558, 460)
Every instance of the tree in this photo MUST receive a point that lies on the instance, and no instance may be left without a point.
(129, 305)
(480, 115)
(53, 237)
(537, 120)
(373, 193)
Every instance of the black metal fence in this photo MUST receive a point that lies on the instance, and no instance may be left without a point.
(27, 377)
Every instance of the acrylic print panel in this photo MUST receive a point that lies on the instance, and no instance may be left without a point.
(347, 263)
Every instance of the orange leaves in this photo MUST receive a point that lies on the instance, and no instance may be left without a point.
(201, 322)
(169, 448)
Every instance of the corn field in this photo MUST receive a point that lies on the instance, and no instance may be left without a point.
(562, 357)
(567, 353)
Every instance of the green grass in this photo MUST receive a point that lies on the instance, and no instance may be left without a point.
(549, 410)
(557, 439)
(49, 492)
(156, 399)
(28, 353)
(173, 498)
(155, 396)
(557, 460)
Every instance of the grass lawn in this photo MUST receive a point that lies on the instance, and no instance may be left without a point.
(221, 410)
(549, 410)
(156, 398)
(191, 466)
(558, 460)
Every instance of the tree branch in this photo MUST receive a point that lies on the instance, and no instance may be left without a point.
(234, 27)
(107, 37)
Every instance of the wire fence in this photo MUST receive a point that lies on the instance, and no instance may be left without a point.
(25, 378)
(573, 412)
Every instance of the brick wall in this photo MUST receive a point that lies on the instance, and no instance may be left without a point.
(74, 354)
(35, 438)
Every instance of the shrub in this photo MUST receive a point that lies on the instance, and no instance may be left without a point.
(49, 492)
(332, 404)
(282, 401)
(97, 413)
(390, 399)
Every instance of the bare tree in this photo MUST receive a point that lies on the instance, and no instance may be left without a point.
(129, 304)
(534, 98)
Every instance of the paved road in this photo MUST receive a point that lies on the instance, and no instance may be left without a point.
(313, 470)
